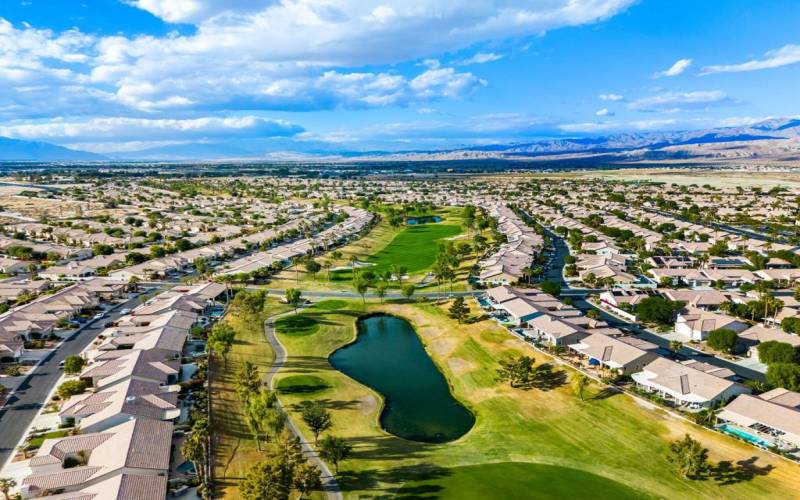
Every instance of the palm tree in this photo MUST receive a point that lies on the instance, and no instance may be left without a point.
(675, 346)
(5, 486)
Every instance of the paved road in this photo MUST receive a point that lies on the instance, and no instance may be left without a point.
(22, 407)
(329, 484)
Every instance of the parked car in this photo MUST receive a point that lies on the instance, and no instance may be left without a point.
(99, 315)
(124, 311)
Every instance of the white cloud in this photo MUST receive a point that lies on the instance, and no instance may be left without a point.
(124, 129)
(481, 58)
(610, 97)
(244, 51)
(676, 69)
(676, 101)
(604, 112)
(594, 127)
(784, 56)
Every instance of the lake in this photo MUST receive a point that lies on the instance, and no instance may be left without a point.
(389, 357)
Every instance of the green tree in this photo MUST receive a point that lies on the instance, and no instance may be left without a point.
(5, 486)
(316, 417)
(579, 383)
(307, 478)
(408, 290)
(72, 388)
(193, 450)
(722, 339)
(262, 414)
(294, 298)
(772, 352)
(518, 371)
(73, 364)
(785, 375)
(656, 310)
(380, 289)
(312, 267)
(675, 346)
(689, 457)
(335, 450)
(265, 479)
(459, 309)
(248, 381)
(361, 285)
(551, 288)
(221, 338)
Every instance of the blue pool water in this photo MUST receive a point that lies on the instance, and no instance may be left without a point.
(186, 467)
(745, 435)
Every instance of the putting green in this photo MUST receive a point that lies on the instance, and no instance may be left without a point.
(330, 305)
(415, 247)
(514, 480)
(301, 384)
(297, 325)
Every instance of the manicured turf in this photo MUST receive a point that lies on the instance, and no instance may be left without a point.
(301, 384)
(415, 247)
(297, 325)
(330, 305)
(512, 481)
(607, 436)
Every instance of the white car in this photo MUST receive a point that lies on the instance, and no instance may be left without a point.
(124, 311)
(99, 315)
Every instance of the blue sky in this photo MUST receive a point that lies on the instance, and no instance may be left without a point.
(310, 75)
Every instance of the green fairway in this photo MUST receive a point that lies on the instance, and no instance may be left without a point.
(414, 248)
(607, 446)
(330, 305)
(302, 384)
(510, 481)
(297, 325)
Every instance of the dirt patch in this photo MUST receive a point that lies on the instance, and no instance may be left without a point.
(443, 346)
(367, 404)
(460, 366)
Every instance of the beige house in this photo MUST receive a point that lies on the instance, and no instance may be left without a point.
(773, 418)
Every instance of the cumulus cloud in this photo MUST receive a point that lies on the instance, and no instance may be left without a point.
(611, 97)
(784, 56)
(481, 58)
(604, 112)
(677, 101)
(130, 129)
(676, 69)
(594, 127)
(251, 54)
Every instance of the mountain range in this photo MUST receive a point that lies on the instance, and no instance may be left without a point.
(774, 139)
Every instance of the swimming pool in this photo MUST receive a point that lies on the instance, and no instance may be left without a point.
(735, 431)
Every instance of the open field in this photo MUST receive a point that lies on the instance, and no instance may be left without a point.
(235, 448)
(722, 178)
(618, 443)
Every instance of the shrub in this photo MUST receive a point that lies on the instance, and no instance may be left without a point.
(722, 339)
(772, 352)
(71, 388)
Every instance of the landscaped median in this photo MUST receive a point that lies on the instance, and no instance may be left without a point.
(609, 442)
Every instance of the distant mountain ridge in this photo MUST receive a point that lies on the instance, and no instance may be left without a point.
(774, 139)
(18, 150)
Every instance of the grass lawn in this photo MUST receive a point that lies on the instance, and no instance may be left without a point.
(412, 246)
(297, 325)
(235, 449)
(514, 480)
(302, 384)
(607, 437)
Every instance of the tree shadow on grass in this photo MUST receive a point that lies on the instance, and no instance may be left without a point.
(385, 483)
(605, 393)
(727, 473)
(546, 378)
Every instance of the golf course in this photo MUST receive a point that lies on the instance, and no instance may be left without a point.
(544, 442)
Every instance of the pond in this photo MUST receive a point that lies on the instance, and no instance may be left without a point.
(389, 357)
(426, 219)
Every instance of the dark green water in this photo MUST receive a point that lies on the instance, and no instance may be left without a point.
(389, 357)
